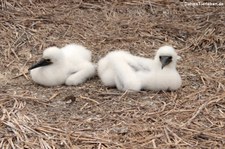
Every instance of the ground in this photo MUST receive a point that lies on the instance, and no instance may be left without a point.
(92, 115)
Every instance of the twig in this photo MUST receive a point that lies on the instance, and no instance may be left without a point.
(167, 136)
(87, 98)
(153, 143)
(123, 94)
(53, 96)
(25, 98)
(10, 63)
(201, 108)
(176, 136)
(21, 74)
(13, 51)
(83, 106)
(181, 127)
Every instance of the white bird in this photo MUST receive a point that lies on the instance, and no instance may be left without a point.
(129, 72)
(70, 65)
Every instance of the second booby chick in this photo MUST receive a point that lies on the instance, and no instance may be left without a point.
(126, 71)
(70, 65)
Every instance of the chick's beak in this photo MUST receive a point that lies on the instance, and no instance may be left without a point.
(165, 60)
(41, 63)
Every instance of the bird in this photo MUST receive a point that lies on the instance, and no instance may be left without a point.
(70, 65)
(129, 72)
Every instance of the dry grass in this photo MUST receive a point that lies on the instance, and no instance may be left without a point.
(91, 115)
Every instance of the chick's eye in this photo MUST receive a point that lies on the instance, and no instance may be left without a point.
(47, 60)
(160, 57)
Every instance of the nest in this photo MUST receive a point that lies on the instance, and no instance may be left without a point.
(94, 116)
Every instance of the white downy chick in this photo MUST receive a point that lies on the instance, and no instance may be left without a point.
(126, 71)
(70, 65)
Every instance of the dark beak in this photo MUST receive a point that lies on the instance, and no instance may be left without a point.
(42, 62)
(165, 60)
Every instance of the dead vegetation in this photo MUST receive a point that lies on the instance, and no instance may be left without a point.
(91, 115)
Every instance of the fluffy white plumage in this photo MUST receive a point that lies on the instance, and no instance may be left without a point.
(70, 65)
(129, 72)
(158, 78)
(118, 68)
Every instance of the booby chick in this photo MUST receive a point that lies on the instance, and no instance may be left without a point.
(70, 65)
(129, 72)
